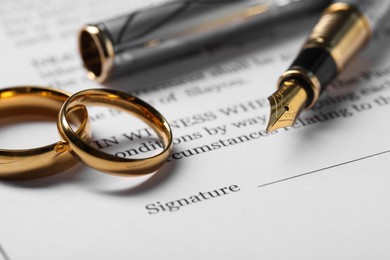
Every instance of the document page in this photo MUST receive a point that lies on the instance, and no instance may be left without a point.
(317, 190)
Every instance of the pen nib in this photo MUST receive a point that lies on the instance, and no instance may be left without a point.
(286, 105)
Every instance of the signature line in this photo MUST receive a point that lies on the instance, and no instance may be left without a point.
(322, 169)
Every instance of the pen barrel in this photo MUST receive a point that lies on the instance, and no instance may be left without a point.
(147, 37)
(374, 10)
(341, 32)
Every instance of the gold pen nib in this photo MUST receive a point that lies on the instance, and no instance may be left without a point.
(286, 105)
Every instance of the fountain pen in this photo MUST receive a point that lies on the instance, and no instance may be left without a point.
(343, 29)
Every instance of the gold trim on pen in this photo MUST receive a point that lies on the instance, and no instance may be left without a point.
(309, 77)
(342, 31)
(97, 52)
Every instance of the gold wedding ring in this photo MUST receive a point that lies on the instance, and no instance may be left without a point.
(106, 162)
(42, 161)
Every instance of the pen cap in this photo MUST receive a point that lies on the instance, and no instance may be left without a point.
(147, 37)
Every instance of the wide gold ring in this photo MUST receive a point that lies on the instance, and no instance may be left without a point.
(106, 162)
(41, 161)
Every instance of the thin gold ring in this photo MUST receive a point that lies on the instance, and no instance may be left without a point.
(41, 161)
(106, 162)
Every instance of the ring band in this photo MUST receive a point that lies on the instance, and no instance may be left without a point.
(41, 161)
(106, 162)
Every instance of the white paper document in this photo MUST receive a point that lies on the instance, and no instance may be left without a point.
(318, 190)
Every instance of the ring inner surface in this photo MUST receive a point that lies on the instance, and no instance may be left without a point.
(35, 103)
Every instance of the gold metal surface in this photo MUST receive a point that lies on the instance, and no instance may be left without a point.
(286, 104)
(308, 77)
(41, 161)
(97, 52)
(109, 163)
(342, 31)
